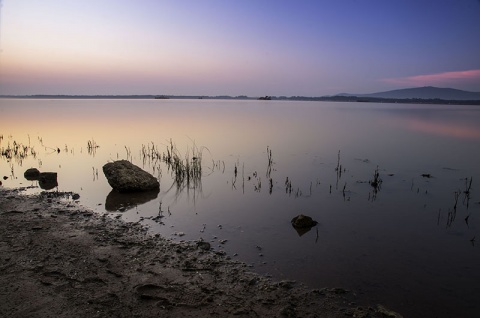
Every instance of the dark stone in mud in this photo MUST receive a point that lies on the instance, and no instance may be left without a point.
(48, 180)
(125, 201)
(303, 221)
(31, 174)
(124, 176)
(203, 245)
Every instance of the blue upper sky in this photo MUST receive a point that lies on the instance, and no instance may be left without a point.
(248, 47)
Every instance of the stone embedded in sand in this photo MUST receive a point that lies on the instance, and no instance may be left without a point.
(303, 221)
(203, 245)
(124, 176)
(31, 174)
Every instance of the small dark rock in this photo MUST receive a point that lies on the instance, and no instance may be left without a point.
(303, 221)
(241, 312)
(287, 284)
(203, 245)
(31, 174)
(339, 290)
(302, 224)
(288, 311)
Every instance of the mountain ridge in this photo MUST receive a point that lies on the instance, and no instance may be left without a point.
(426, 92)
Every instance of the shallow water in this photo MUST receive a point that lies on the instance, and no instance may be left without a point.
(407, 246)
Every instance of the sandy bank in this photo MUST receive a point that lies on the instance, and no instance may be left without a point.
(58, 259)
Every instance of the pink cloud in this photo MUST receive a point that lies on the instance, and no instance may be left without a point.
(435, 79)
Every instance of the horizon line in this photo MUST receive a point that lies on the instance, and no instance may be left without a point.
(218, 96)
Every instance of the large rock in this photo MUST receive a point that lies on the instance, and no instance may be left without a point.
(124, 176)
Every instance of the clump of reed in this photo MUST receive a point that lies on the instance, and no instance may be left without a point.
(452, 213)
(270, 162)
(376, 185)
(468, 187)
(185, 170)
(339, 169)
(91, 147)
(288, 186)
(269, 170)
(17, 152)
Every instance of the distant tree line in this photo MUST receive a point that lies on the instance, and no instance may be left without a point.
(244, 97)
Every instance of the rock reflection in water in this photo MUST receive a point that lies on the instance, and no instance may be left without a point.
(117, 201)
(302, 224)
(302, 230)
(48, 180)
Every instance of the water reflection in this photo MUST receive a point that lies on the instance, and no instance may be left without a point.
(120, 202)
(418, 224)
(48, 180)
(302, 230)
(457, 130)
(444, 120)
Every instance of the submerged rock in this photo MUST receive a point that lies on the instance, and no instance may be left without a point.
(302, 224)
(31, 174)
(124, 176)
(303, 221)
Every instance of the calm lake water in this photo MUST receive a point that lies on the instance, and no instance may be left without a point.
(410, 245)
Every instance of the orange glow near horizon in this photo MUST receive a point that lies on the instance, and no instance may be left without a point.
(230, 48)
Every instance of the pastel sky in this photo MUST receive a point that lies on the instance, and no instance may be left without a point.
(232, 47)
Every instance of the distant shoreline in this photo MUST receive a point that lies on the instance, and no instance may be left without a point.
(285, 98)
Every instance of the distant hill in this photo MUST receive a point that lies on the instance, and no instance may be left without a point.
(427, 92)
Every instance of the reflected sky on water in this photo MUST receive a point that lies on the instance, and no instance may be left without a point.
(407, 245)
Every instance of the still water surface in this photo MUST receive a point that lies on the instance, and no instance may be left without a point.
(410, 245)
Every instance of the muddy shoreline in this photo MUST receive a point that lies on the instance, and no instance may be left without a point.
(59, 259)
